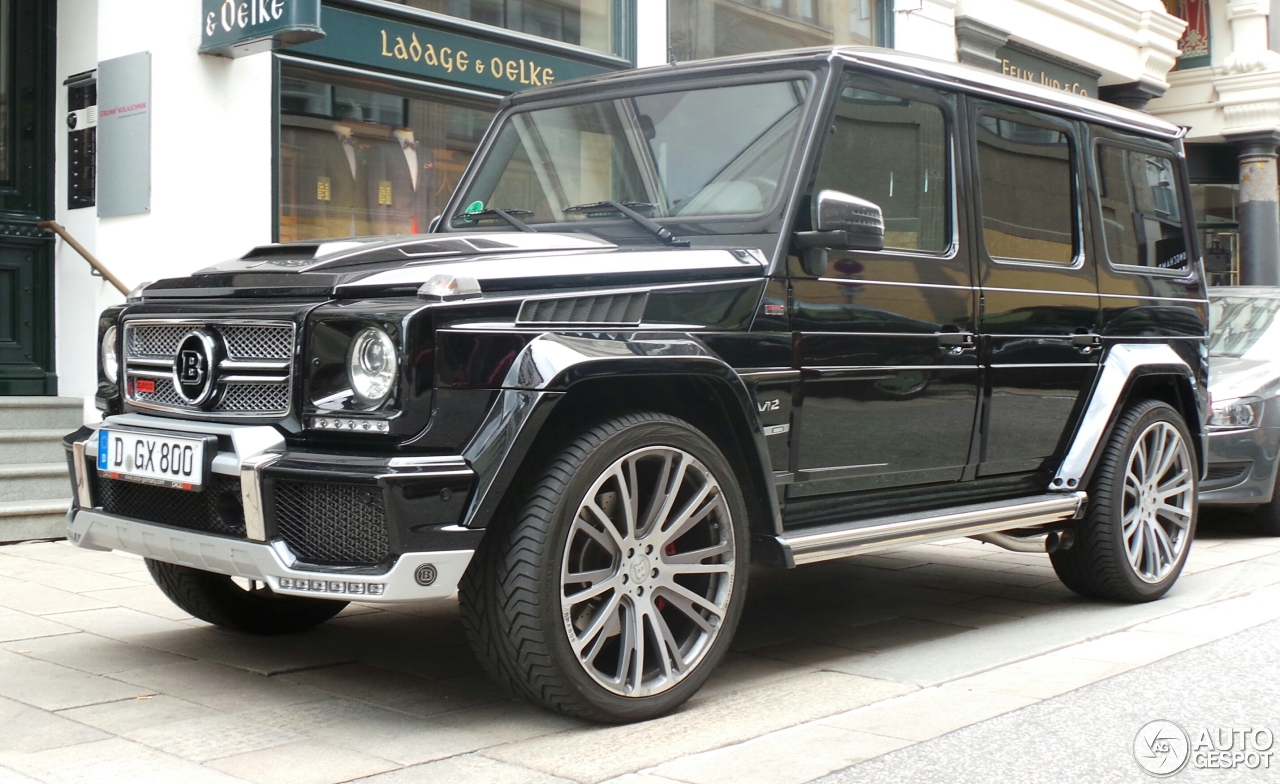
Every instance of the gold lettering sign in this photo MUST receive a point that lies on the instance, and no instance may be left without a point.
(384, 192)
(510, 71)
(322, 189)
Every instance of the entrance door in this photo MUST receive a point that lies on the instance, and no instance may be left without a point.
(26, 197)
(1040, 291)
(885, 339)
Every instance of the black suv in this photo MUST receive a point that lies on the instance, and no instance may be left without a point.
(676, 321)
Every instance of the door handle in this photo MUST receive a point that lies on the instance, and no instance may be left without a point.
(1086, 344)
(957, 343)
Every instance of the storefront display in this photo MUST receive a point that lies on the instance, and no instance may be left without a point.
(359, 162)
(713, 28)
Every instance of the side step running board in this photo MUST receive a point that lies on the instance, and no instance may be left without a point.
(823, 543)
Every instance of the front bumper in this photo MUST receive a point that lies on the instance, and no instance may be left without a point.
(278, 516)
(1242, 467)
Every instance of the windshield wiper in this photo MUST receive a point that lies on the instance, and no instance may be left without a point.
(624, 208)
(507, 215)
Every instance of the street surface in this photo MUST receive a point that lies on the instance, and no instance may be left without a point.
(102, 680)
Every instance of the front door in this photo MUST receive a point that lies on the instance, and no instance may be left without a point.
(1039, 288)
(884, 340)
(26, 198)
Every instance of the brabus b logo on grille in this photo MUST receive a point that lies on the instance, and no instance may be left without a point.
(193, 366)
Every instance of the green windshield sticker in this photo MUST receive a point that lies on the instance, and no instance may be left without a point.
(475, 206)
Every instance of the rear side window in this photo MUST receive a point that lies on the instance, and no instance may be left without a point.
(892, 151)
(1025, 177)
(1142, 224)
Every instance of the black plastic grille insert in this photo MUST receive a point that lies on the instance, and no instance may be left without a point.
(332, 523)
(216, 509)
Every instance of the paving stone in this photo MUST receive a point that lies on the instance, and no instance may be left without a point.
(91, 653)
(143, 598)
(268, 655)
(36, 599)
(789, 756)
(929, 712)
(211, 737)
(468, 769)
(67, 554)
(25, 730)
(704, 723)
(67, 578)
(218, 686)
(119, 623)
(127, 716)
(808, 653)
(1043, 677)
(738, 671)
(389, 689)
(1000, 606)
(16, 625)
(302, 763)
(390, 735)
(885, 635)
(113, 760)
(10, 776)
(1133, 647)
(53, 687)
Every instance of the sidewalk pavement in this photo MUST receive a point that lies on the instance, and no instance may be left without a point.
(102, 679)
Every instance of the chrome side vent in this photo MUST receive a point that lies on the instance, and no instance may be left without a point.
(593, 309)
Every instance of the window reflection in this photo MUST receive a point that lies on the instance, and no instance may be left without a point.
(358, 162)
(1142, 224)
(586, 23)
(715, 28)
(1024, 172)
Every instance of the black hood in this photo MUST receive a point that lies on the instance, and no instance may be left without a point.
(499, 261)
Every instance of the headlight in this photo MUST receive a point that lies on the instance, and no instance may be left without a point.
(371, 365)
(110, 362)
(1235, 414)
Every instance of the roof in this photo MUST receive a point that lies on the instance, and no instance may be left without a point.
(942, 72)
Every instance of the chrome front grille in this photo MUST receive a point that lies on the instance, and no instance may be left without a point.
(252, 372)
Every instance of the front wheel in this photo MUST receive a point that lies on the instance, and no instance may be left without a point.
(222, 601)
(1133, 539)
(616, 587)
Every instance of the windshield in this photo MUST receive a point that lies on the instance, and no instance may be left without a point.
(1244, 327)
(718, 151)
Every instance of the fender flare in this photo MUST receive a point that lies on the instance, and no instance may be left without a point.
(549, 366)
(1124, 364)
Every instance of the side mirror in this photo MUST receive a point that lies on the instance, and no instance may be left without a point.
(840, 222)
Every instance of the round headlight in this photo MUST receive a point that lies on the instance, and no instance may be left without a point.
(371, 365)
(110, 362)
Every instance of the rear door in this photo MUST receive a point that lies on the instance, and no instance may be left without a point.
(1040, 306)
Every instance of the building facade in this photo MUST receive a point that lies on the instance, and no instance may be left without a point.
(167, 136)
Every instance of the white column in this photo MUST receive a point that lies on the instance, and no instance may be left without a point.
(651, 32)
(925, 27)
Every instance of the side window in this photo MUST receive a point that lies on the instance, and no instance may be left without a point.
(1138, 194)
(1025, 177)
(892, 151)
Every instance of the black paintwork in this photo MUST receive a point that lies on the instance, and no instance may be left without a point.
(908, 379)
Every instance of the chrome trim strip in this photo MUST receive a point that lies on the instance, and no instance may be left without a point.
(255, 525)
(760, 375)
(84, 497)
(254, 380)
(852, 282)
(244, 364)
(868, 536)
(1120, 363)
(1044, 364)
(166, 374)
(830, 370)
(96, 530)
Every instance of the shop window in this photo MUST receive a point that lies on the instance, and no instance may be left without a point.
(1025, 177)
(355, 161)
(1214, 206)
(892, 151)
(1194, 42)
(714, 28)
(1141, 221)
(585, 23)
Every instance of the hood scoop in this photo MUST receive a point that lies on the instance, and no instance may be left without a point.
(622, 309)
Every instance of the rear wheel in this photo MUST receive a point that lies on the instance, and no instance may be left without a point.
(1136, 532)
(616, 587)
(250, 607)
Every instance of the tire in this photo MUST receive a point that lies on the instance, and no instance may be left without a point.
(1139, 562)
(218, 599)
(526, 617)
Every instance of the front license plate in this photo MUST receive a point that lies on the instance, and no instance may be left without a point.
(152, 458)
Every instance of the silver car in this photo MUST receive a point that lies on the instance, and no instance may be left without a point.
(1244, 382)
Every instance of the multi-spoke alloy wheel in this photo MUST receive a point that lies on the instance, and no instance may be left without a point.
(1133, 539)
(614, 587)
(1158, 502)
(647, 572)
